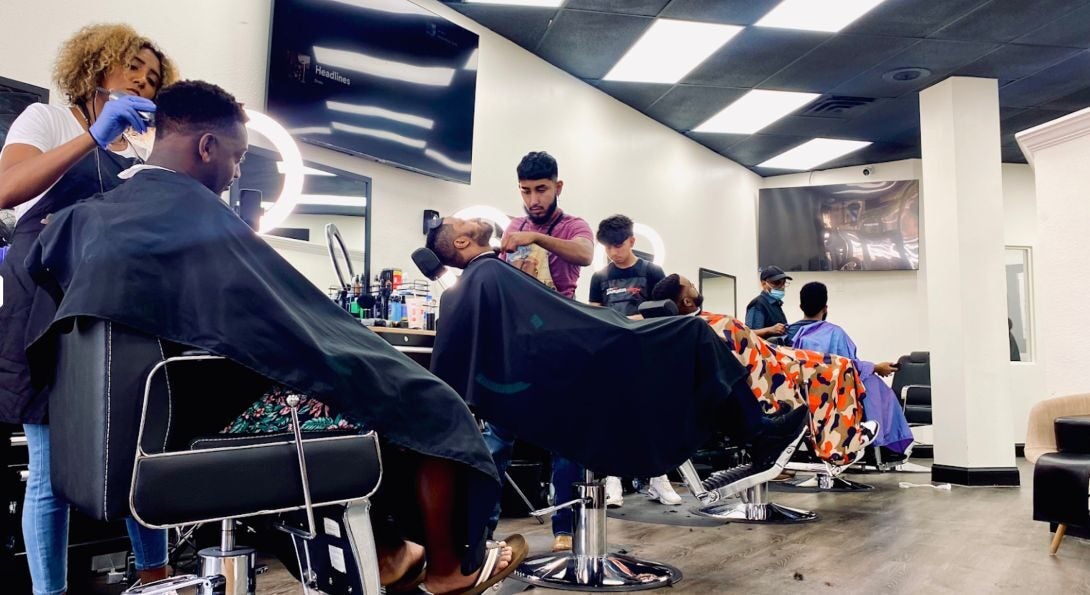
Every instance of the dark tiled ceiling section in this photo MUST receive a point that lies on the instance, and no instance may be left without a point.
(1039, 50)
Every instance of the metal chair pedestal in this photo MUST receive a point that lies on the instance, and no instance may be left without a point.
(752, 505)
(589, 566)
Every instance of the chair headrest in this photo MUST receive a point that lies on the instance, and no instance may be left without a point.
(428, 263)
(658, 308)
(920, 357)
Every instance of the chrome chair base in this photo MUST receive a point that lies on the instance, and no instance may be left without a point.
(767, 513)
(236, 566)
(824, 483)
(612, 572)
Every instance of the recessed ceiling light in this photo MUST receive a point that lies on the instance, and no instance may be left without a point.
(754, 111)
(816, 15)
(813, 153)
(669, 50)
(542, 3)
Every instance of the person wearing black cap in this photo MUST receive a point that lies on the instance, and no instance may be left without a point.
(764, 314)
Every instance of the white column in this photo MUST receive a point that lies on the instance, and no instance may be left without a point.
(1059, 152)
(966, 286)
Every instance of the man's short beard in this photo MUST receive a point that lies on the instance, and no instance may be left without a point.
(549, 212)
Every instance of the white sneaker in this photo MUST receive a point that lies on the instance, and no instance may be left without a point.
(662, 491)
(614, 493)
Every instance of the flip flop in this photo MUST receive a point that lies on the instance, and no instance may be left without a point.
(410, 581)
(486, 580)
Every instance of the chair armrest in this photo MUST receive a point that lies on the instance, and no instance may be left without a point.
(906, 389)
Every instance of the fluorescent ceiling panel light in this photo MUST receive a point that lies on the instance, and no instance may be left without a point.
(816, 15)
(379, 112)
(471, 62)
(434, 76)
(447, 161)
(669, 50)
(755, 110)
(383, 134)
(390, 6)
(307, 171)
(813, 153)
(540, 3)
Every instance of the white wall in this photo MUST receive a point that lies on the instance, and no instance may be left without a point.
(886, 312)
(1061, 152)
(612, 158)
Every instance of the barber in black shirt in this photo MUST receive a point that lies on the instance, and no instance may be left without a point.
(764, 314)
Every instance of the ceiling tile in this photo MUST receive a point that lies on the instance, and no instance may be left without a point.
(939, 56)
(1073, 102)
(757, 148)
(685, 107)
(522, 25)
(1028, 119)
(1073, 30)
(752, 56)
(1011, 62)
(640, 7)
(588, 44)
(1061, 80)
(1005, 20)
(637, 95)
(885, 120)
(803, 126)
(836, 61)
(734, 12)
(911, 18)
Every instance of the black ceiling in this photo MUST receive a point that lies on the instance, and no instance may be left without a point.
(1038, 49)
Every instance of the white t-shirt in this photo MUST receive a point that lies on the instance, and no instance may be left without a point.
(45, 127)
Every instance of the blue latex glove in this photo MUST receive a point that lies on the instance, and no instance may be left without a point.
(117, 116)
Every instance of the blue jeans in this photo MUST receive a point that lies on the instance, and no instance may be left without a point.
(45, 524)
(565, 473)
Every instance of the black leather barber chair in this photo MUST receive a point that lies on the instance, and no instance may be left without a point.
(590, 566)
(749, 506)
(128, 405)
(912, 384)
(1061, 479)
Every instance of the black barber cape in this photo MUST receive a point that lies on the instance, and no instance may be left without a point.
(622, 397)
(164, 255)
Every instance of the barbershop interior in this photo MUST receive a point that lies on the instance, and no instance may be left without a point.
(576, 296)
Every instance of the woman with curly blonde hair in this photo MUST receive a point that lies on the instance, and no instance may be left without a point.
(53, 157)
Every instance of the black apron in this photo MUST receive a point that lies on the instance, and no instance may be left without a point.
(19, 402)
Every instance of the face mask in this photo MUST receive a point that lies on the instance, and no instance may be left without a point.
(776, 294)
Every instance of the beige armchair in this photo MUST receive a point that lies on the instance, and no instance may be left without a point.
(1041, 438)
(1041, 435)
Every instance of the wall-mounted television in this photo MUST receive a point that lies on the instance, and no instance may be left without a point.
(382, 79)
(873, 226)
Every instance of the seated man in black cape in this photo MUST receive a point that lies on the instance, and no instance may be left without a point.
(162, 254)
(546, 367)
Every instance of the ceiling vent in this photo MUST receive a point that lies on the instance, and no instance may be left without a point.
(836, 106)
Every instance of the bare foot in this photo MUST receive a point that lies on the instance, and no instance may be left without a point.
(457, 581)
(394, 564)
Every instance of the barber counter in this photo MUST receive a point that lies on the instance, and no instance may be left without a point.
(416, 344)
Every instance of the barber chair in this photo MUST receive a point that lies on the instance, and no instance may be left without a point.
(825, 477)
(912, 383)
(124, 401)
(751, 505)
(590, 567)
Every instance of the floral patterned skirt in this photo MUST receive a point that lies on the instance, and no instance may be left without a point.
(271, 414)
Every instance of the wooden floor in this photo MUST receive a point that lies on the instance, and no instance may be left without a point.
(891, 540)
